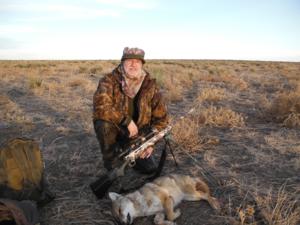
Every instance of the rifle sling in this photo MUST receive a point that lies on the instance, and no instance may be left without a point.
(171, 150)
(163, 159)
(160, 166)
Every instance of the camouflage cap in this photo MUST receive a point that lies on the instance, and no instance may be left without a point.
(133, 53)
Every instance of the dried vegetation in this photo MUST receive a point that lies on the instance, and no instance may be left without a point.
(238, 121)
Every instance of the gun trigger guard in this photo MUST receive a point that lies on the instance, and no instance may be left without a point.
(154, 130)
(132, 163)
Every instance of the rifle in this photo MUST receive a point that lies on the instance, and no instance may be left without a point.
(128, 155)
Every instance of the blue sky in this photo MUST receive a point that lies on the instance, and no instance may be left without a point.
(170, 29)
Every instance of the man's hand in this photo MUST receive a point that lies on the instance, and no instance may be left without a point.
(132, 128)
(146, 153)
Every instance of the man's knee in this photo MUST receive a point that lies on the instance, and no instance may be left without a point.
(105, 128)
(107, 136)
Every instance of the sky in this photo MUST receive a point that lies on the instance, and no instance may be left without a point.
(169, 29)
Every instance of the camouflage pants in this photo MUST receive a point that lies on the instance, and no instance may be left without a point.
(110, 139)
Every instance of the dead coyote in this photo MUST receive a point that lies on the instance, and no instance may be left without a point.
(160, 196)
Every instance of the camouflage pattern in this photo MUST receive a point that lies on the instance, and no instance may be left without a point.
(112, 105)
(133, 53)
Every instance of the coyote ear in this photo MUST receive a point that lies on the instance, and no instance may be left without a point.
(113, 196)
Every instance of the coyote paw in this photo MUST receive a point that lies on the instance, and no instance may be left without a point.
(174, 215)
(169, 223)
(159, 219)
(177, 213)
(215, 204)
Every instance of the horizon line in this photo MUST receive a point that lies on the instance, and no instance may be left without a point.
(157, 59)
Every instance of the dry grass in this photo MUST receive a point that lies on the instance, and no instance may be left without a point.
(185, 133)
(235, 80)
(220, 117)
(245, 215)
(96, 70)
(282, 142)
(174, 77)
(262, 207)
(35, 82)
(77, 82)
(173, 92)
(4, 100)
(279, 209)
(52, 89)
(285, 108)
(11, 112)
(53, 99)
(211, 95)
(292, 120)
(224, 74)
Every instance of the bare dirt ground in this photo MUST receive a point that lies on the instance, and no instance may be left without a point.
(252, 166)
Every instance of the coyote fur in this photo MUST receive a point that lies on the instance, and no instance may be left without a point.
(159, 197)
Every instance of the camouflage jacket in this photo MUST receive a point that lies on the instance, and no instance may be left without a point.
(111, 104)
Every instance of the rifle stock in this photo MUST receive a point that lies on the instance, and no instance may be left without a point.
(102, 184)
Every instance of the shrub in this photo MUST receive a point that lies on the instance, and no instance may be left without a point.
(280, 208)
(211, 95)
(185, 134)
(220, 117)
(96, 69)
(35, 82)
(77, 82)
(82, 69)
(285, 109)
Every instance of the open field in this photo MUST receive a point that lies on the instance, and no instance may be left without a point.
(240, 132)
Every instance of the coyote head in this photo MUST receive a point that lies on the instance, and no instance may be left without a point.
(122, 208)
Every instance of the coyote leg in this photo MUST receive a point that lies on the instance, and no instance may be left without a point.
(201, 191)
(159, 219)
(169, 209)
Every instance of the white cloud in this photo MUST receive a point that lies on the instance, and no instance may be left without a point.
(131, 4)
(8, 30)
(48, 12)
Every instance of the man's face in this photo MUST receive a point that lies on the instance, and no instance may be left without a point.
(133, 67)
